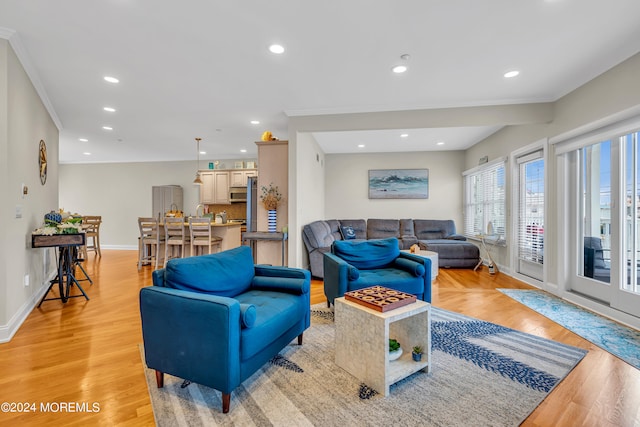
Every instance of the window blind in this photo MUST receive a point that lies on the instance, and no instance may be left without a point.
(485, 200)
(531, 207)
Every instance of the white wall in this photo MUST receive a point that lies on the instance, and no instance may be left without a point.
(306, 193)
(24, 121)
(346, 186)
(121, 192)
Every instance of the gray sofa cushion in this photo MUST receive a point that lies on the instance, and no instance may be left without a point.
(452, 248)
(317, 235)
(383, 228)
(432, 229)
(334, 226)
(359, 226)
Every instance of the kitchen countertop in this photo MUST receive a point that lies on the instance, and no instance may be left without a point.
(213, 224)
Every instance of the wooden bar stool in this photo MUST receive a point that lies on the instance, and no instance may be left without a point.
(91, 227)
(201, 237)
(149, 242)
(176, 239)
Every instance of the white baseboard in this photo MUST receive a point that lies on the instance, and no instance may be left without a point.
(9, 330)
(120, 247)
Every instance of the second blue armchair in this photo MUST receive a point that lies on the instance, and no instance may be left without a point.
(353, 265)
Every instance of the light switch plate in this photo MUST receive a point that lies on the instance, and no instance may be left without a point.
(18, 211)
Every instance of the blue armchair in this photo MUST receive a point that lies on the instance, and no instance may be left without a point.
(216, 319)
(353, 265)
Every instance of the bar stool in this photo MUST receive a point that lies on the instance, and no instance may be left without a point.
(175, 238)
(91, 227)
(201, 237)
(149, 241)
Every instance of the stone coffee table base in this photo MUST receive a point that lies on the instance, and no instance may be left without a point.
(362, 341)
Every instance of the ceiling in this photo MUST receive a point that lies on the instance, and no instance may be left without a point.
(202, 68)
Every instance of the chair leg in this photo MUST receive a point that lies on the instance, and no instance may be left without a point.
(328, 304)
(160, 378)
(97, 243)
(300, 339)
(226, 400)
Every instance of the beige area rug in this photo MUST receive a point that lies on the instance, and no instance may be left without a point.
(482, 375)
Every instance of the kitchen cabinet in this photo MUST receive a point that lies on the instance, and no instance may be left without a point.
(239, 178)
(215, 187)
(166, 198)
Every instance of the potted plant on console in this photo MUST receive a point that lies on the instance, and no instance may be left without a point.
(271, 198)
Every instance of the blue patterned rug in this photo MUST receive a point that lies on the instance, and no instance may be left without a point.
(613, 337)
(482, 375)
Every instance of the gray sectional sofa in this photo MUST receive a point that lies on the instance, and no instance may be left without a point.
(432, 234)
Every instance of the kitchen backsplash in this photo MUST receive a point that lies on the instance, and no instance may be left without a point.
(234, 210)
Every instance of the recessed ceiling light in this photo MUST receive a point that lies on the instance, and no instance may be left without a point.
(440, 143)
(276, 48)
(510, 74)
(255, 122)
(111, 79)
(83, 140)
(243, 151)
(203, 152)
(107, 128)
(360, 145)
(109, 109)
(398, 69)
(86, 153)
(404, 135)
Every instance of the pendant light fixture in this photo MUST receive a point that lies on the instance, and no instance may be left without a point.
(198, 181)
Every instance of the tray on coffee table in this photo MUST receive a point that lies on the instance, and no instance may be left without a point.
(380, 298)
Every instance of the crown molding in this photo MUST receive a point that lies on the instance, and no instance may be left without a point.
(29, 68)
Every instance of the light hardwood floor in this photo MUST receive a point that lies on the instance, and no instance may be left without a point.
(87, 352)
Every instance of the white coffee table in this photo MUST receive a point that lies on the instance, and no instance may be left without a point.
(433, 256)
(362, 341)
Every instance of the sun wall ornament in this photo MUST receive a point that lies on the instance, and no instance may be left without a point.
(42, 161)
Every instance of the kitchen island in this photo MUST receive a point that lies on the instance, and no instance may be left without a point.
(230, 233)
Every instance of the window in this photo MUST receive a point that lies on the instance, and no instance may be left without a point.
(484, 201)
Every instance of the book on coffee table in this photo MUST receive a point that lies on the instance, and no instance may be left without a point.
(380, 298)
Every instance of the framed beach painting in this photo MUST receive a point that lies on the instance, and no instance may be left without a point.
(399, 183)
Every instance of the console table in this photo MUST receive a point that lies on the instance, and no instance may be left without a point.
(252, 236)
(67, 245)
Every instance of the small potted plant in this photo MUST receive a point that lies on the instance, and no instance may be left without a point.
(417, 353)
(395, 351)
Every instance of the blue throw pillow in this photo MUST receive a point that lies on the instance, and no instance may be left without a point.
(348, 233)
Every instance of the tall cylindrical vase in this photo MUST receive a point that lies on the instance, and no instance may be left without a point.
(272, 220)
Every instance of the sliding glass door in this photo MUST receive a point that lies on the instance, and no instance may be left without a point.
(628, 298)
(607, 227)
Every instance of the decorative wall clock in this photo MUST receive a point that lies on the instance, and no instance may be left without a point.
(42, 162)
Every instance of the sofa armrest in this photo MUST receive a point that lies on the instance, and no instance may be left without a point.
(408, 241)
(158, 277)
(336, 271)
(185, 333)
(426, 262)
(456, 237)
(410, 266)
(282, 279)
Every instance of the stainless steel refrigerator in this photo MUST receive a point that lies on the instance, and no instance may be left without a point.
(252, 204)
